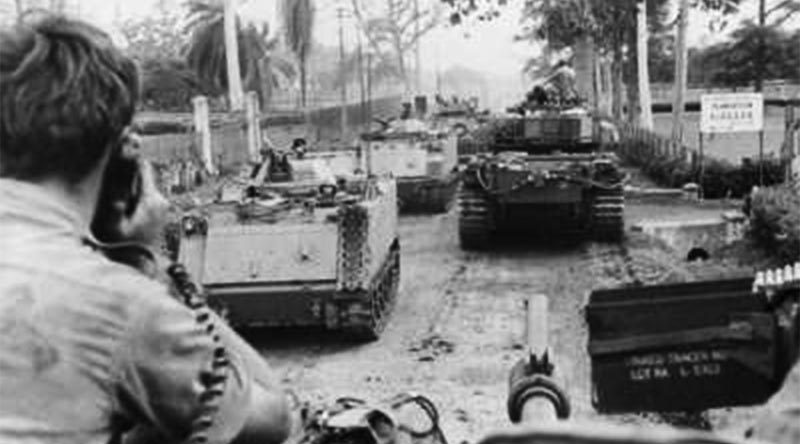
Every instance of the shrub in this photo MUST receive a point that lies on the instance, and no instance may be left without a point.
(775, 221)
(721, 178)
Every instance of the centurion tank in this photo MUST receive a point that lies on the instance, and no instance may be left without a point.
(299, 247)
(543, 172)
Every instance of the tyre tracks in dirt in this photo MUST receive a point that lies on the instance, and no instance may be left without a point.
(456, 330)
(458, 326)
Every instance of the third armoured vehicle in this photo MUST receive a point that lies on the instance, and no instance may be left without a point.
(542, 172)
(422, 159)
(298, 246)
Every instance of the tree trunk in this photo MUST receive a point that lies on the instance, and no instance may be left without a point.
(681, 52)
(235, 92)
(616, 84)
(632, 85)
(762, 16)
(402, 66)
(303, 80)
(608, 87)
(596, 86)
(265, 83)
(584, 67)
(603, 88)
(646, 115)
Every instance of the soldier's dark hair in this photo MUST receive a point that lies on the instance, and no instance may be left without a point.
(66, 96)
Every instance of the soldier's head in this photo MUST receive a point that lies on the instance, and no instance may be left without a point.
(68, 96)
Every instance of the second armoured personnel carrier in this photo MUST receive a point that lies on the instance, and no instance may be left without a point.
(300, 248)
(423, 161)
(541, 173)
(457, 116)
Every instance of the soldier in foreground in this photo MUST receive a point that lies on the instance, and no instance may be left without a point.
(95, 346)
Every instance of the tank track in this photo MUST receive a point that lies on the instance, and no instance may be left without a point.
(608, 219)
(474, 218)
(366, 319)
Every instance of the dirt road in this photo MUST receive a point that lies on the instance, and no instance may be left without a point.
(458, 326)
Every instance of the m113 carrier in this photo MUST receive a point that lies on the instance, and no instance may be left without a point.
(300, 250)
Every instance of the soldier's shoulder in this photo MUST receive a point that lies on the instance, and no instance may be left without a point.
(116, 279)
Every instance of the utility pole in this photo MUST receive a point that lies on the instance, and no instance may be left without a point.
(417, 57)
(343, 72)
(235, 92)
(762, 18)
(369, 87)
(680, 73)
(438, 67)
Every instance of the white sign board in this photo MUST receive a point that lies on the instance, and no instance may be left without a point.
(731, 112)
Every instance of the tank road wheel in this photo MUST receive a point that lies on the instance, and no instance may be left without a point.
(474, 219)
(368, 319)
(608, 220)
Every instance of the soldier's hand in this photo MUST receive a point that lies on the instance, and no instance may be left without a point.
(146, 224)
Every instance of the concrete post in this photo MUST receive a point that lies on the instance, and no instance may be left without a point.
(202, 130)
(253, 126)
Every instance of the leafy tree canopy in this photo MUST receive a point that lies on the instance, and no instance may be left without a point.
(205, 51)
(736, 62)
(393, 28)
(156, 36)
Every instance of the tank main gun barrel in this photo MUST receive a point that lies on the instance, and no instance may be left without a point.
(534, 396)
(537, 409)
(536, 332)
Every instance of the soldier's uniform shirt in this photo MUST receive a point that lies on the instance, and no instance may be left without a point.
(87, 345)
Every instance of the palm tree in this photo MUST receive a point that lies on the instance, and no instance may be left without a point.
(298, 23)
(646, 116)
(205, 52)
(235, 91)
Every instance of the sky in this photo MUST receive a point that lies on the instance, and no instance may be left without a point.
(487, 47)
(493, 51)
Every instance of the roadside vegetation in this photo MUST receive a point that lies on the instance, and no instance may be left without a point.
(775, 221)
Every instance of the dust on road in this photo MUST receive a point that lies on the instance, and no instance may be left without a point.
(456, 330)
(458, 326)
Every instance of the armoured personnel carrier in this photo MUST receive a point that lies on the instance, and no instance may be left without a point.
(422, 159)
(457, 116)
(300, 248)
(541, 173)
